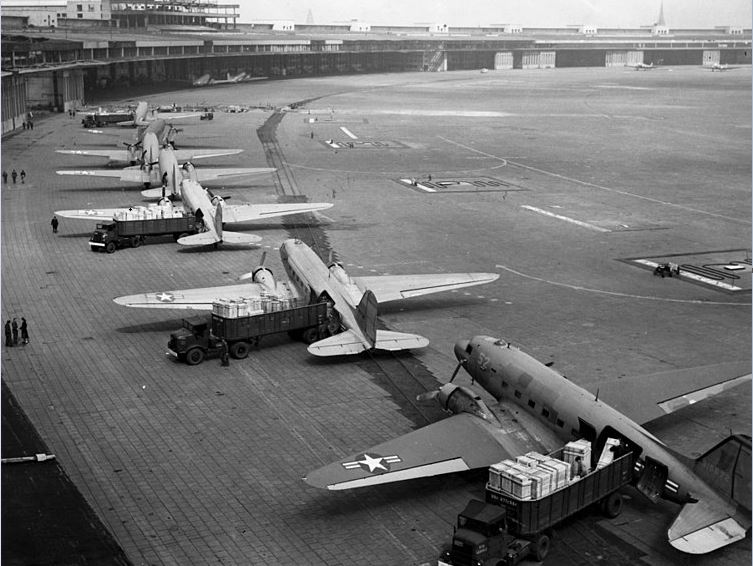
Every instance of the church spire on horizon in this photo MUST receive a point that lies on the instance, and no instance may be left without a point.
(660, 21)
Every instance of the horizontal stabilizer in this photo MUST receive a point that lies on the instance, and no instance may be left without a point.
(700, 528)
(238, 238)
(156, 193)
(348, 343)
(112, 154)
(386, 340)
(344, 344)
(200, 239)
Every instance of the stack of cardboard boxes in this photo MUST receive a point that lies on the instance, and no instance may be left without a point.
(534, 475)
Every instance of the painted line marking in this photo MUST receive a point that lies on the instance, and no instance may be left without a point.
(348, 133)
(565, 218)
(617, 294)
(693, 276)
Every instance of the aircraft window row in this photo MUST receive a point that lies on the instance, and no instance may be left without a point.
(560, 423)
(531, 403)
(545, 412)
(517, 394)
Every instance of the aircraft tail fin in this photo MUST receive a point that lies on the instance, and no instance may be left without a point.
(727, 468)
(366, 316)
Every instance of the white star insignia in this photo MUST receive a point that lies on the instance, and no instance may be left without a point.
(165, 297)
(372, 462)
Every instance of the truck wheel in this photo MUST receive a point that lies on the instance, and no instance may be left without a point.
(540, 548)
(611, 505)
(310, 335)
(239, 350)
(194, 356)
(110, 247)
(135, 241)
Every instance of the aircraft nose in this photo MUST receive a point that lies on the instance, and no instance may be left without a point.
(461, 350)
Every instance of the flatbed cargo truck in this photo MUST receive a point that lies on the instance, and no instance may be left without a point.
(505, 529)
(111, 236)
(106, 118)
(201, 338)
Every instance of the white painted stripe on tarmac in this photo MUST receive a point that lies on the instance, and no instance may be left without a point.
(348, 133)
(565, 218)
(694, 277)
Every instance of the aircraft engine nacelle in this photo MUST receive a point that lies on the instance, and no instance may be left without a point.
(459, 399)
(264, 276)
(337, 271)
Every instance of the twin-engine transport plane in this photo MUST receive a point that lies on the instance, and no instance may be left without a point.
(214, 212)
(166, 171)
(540, 410)
(151, 143)
(354, 299)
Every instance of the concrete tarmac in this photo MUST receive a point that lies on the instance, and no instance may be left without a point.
(559, 180)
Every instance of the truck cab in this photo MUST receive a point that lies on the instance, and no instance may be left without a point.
(481, 537)
(104, 238)
(193, 341)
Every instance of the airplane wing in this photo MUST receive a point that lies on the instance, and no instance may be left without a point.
(196, 299)
(245, 212)
(91, 214)
(648, 397)
(393, 287)
(191, 154)
(455, 444)
(112, 154)
(703, 527)
(129, 174)
(210, 174)
(348, 343)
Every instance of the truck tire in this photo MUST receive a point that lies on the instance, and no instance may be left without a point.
(540, 548)
(611, 505)
(135, 241)
(194, 356)
(239, 350)
(310, 335)
(110, 247)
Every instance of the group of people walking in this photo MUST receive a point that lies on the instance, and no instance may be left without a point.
(11, 332)
(14, 175)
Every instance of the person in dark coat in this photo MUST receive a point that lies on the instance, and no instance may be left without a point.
(24, 331)
(13, 176)
(5, 177)
(14, 328)
(54, 224)
(8, 334)
(23, 176)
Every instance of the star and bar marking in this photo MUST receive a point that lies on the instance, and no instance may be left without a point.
(372, 463)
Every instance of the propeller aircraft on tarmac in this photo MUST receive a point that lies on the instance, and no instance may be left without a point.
(643, 66)
(539, 409)
(353, 299)
(147, 148)
(163, 169)
(214, 211)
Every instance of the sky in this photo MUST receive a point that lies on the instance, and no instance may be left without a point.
(532, 13)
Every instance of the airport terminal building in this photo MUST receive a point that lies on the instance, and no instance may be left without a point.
(59, 53)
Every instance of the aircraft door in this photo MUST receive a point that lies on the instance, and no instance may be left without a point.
(653, 479)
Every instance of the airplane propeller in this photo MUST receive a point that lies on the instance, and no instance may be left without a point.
(250, 274)
(431, 395)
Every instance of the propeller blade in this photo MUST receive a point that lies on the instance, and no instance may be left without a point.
(455, 373)
(263, 258)
(248, 275)
(428, 395)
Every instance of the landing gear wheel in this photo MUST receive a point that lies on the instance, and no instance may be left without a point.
(611, 505)
(540, 548)
(110, 247)
(239, 350)
(194, 356)
(310, 335)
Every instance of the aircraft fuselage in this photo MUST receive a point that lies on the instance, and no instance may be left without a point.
(572, 412)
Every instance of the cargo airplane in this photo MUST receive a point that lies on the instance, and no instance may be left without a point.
(354, 299)
(166, 173)
(539, 409)
(207, 80)
(643, 66)
(214, 212)
(147, 149)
